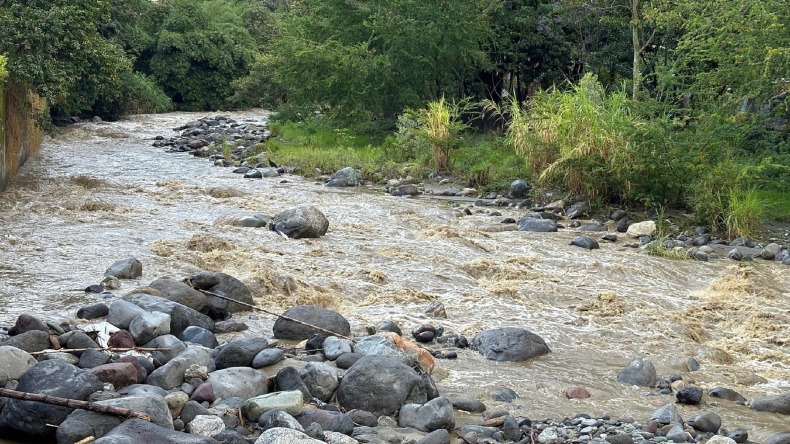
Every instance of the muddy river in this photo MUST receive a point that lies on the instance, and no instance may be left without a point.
(99, 192)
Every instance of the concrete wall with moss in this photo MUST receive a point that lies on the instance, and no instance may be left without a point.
(20, 136)
(3, 169)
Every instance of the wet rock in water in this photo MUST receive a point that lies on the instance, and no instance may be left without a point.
(136, 431)
(240, 353)
(93, 311)
(504, 395)
(585, 242)
(129, 268)
(639, 229)
(509, 344)
(25, 323)
(689, 395)
(770, 251)
(171, 374)
(708, 422)
(739, 435)
(253, 174)
(667, 414)
(181, 293)
(289, 401)
(328, 420)
(774, 404)
(405, 190)
(31, 341)
(592, 227)
(778, 438)
(577, 393)
(640, 371)
(15, 362)
(391, 327)
(228, 286)
(728, 394)
(436, 310)
(200, 336)
(281, 435)
(440, 436)
(345, 177)
(267, 357)
(230, 326)
(433, 415)
(623, 224)
(334, 347)
(317, 316)
(206, 425)
(148, 326)
(380, 385)
(536, 225)
(27, 419)
(577, 210)
(735, 254)
(519, 189)
(321, 379)
(782, 256)
(119, 374)
(300, 222)
(469, 405)
(241, 382)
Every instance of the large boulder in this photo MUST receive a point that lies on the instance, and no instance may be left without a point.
(519, 189)
(537, 225)
(33, 420)
(182, 293)
(380, 385)
(309, 314)
(121, 313)
(397, 347)
(509, 344)
(81, 424)
(224, 284)
(640, 371)
(181, 316)
(300, 222)
(171, 374)
(15, 362)
(29, 341)
(321, 379)
(148, 326)
(289, 401)
(240, 353)
(346, 177)
(639, 229)
(434, 415)
(129, 268)
(25, 323)
(281, 435)
(137, 431)
(328, 420)
(577, 210)
(774, 404)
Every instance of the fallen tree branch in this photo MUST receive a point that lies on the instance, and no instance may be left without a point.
(75, 404)
(112, 349)
(255, 307)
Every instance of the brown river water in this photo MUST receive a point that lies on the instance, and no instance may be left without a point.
(99, 192)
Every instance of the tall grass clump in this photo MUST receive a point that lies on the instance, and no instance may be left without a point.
(438, 125)
(743, 213)
(577, 138)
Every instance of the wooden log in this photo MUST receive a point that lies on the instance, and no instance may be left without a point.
(75, 404)
(112, 349)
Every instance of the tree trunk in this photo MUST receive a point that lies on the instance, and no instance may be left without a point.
(637, 47)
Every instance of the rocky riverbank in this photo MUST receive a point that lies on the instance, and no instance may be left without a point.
(167, 311)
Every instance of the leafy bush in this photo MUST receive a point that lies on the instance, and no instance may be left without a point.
(138, 94)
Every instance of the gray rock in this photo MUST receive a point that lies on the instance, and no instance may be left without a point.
(330, 437)
(718, 439)
(200, 336)
(80, 339)
(30, 420)
(689, 395)
(585, 242)
(267, 357)
(677, 434)
(143, 389)
(148, 326)
(334, 347)
(346, 177)
(300, 222)
(380, 385)
(232, 288)
(735, 254)
(25, 323)
(405, 190)
(708, 422)
(137, 431)
(181, 293)
(667, 414)
(320, 317)
(279, 418)
(30, 341)
(240, 353)
(639, 229)
(129, 268)
(577, 210)
(68, 357)
(640, 371)
(181, 316)
(288, 378)
(433, 415)
(321, 379)
(504, 395)
(121, 313)
(380, 345)
(242, 382)
(171, 346)
(519, 189)
(91, 358)
(15, 362)
(728, 394)
(774, 404)
(81, 424)
(509, 344)
(479, 431)
(93, 311)
(770, 251)
(192, 410)
(291, 402)
(328, 420)
(206, 425)
(469, 405)
(440, 436)
(253, 174)
(171, 374)
(280, 435)
(534, 224)
(738, 435)
(620, 438)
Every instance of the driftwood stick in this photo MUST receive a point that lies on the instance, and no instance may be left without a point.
(255, 307)
(74, 404)
(112, 349)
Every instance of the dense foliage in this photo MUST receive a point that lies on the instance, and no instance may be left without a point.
(642, 102)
